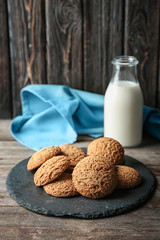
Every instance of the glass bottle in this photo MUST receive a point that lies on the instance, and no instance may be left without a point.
(123, 103)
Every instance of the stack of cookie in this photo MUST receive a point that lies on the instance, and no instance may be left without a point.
(66, 170)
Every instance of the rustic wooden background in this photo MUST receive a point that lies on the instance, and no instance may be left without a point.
(72, 42)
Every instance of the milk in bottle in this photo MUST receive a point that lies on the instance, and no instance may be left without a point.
(123, 103)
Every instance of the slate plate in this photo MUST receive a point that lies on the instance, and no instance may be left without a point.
(20, 186)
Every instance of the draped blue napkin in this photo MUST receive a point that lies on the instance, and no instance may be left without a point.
(56, 114)
(151, 121)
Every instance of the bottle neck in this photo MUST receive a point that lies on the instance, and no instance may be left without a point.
(124, 73)
(125, 69)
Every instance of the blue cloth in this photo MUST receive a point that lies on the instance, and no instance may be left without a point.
(151, 121)
(55, 114)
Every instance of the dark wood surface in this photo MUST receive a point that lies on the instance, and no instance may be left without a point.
(19, 223)
(72, 42)
(5, 84)
(141, 39)
(27, 46)
(102, 40)
(64, 42)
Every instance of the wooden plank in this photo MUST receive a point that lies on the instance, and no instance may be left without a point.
(142, 40)
(102, 40)
(64, 42)
(27, 44)
(5, 130)
(13, 152)
(5, 86)
(24, 224)
(158, 85)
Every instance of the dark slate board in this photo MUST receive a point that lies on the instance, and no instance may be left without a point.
(20, 186)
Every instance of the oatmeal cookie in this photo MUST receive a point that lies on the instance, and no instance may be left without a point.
(107, 147)
(127, 177)
(50, 170)
(61, 187)
(74, 153)
(94, 177)
(41, 156)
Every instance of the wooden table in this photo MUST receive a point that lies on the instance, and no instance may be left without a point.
(17, 222)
